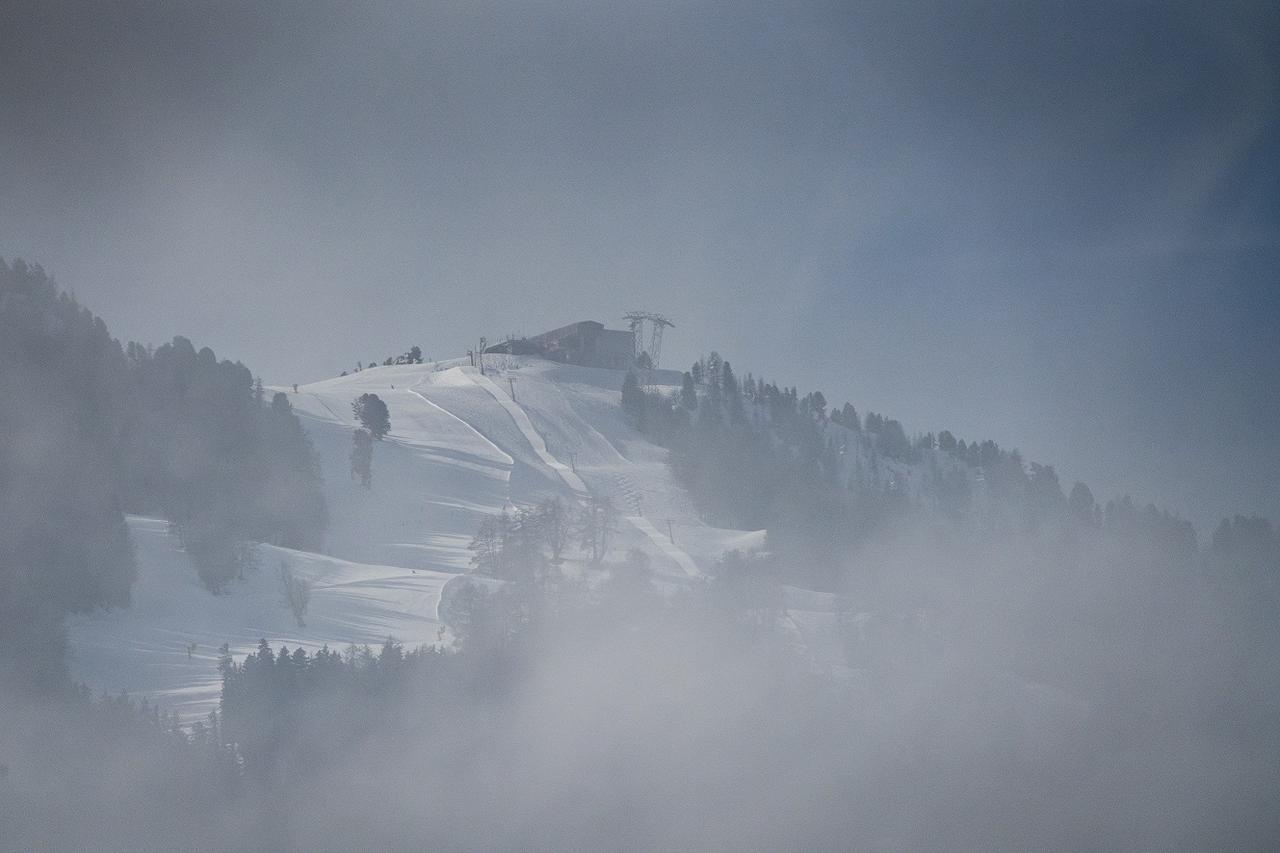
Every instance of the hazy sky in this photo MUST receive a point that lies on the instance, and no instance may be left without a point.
(1055, 225)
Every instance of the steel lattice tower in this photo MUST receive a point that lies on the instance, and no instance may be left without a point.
(638, 321)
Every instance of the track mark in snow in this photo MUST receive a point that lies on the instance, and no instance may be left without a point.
(664, 544)
(336, 416)
(627, 491)
(496, 449)
(521, 418)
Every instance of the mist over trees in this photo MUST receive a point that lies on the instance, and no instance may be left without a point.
(1016, 665)
(1000, 694)
(210, 454)
(297, 593)
(362, 457)
(756, 455)
(90, 430)
(63, 542)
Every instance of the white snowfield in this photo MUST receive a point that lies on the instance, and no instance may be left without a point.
(165, 645)
(460, 448)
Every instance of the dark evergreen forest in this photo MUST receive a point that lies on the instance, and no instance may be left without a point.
(755, 455)
(91, 430)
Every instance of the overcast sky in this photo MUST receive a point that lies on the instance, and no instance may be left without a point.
(1054, 225)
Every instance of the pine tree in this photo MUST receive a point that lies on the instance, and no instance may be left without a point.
(714, 363)
(372, 414)
(688, 394)
(1081, 504)
(732, 395)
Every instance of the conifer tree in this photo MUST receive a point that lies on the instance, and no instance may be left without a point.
(372, 414)
(1081, 504)
(688, 394)
(947, 442)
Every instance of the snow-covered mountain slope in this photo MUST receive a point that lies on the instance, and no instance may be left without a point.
(165, 645)
(460, 448)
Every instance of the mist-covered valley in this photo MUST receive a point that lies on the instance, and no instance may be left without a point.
(649, 427)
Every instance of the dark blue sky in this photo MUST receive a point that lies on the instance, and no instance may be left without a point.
(1054, 225)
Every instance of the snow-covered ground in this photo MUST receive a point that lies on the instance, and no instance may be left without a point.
(165, 646)
(460, 448)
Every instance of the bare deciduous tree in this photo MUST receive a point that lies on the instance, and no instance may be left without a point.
(596, 525)
(297, 593)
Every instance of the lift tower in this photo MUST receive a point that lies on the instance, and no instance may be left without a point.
(650, 344)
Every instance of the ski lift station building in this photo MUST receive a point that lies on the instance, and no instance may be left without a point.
(586, 342)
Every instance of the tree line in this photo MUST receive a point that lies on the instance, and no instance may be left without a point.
(413, 356)
(755, 455)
